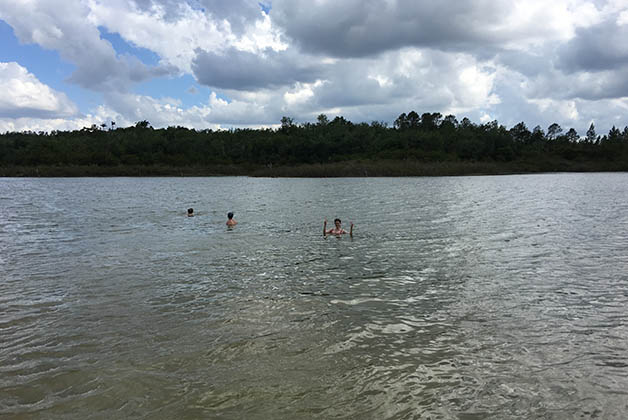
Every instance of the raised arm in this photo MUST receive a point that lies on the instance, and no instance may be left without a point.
(351, 230)
(325, 228)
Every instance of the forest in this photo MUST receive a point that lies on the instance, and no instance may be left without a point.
(427, 144)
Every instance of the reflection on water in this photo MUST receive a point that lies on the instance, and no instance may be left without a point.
(469, 297)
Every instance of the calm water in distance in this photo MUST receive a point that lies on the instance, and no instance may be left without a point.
(457, 298)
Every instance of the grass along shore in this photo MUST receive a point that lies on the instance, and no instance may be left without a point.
(382, 168)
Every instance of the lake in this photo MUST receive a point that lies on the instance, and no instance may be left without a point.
(457, 298)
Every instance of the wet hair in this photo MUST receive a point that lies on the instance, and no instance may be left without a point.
(230, 215)
(337, 220)
(190, 210)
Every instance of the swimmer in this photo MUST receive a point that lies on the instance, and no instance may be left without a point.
(190, 212)
(338, 230)
(231, 221)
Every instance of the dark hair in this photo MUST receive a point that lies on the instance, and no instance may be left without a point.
(230, 215)
(190, 210)
(337, 220)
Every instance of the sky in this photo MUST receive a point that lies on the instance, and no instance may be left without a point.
(221, 64)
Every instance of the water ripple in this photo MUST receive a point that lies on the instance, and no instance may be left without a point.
(469, 297)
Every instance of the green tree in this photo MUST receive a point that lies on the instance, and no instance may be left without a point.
(554, 131)
(520, 133)
(572, 136)
(431, 121)
(450, 121)
(414, 121)
(322, 120)
(401, 123)
(287, 123)
(591, 135)
(614, 135)
(466, 123)
(538, 136)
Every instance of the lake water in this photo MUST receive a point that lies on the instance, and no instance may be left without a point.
(457, 298)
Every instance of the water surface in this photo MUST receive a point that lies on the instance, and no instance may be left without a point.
(457, 298)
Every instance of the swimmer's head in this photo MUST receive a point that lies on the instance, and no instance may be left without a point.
(337, 222)
(190, 210)
(230, 215)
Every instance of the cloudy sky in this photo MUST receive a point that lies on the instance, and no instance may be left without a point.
(66, 64)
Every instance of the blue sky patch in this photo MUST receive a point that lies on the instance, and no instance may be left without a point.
(265, 7)
(123, 47)
(47, 66)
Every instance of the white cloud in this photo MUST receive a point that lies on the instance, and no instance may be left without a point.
(100, 115)
(368, 27)
(560, 20)
(176, 39)
(423, 80)
(484, 118)
(216, 113)
(23, 95)
(260, 36)
(474, 87)
(563, 110)
(367, 60)
(173, 40)
(65, 27)
(301, 94)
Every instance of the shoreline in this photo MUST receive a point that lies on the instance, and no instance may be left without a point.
(344, 169)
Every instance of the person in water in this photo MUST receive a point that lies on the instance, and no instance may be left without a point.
(190, 212)
(230, 220)
(338, 230)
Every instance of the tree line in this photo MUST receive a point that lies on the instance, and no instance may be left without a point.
(429, 137)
